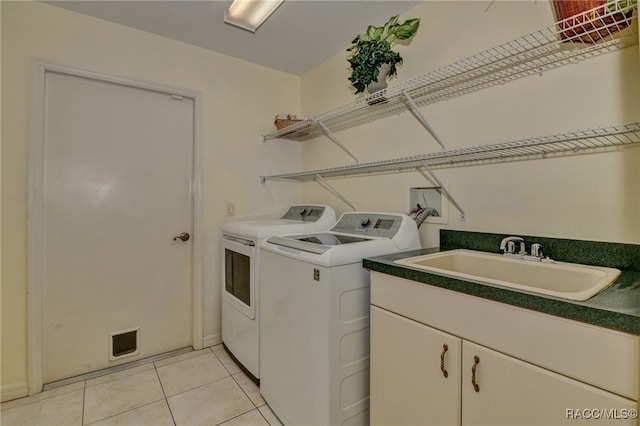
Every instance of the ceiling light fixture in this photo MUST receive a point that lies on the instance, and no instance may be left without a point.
(250, 14)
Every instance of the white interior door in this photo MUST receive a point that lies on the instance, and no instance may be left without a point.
(117, 176)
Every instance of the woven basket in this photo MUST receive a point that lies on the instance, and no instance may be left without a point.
(577, 26)
(281, 123)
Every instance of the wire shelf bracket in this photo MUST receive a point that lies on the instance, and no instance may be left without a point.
(334, 191)
(335, 140)
(421, 119)
(443, 189)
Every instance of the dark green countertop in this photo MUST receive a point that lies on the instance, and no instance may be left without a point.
(617, 307)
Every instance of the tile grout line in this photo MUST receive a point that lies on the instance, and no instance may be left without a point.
(133, 408)
(230, 375)
(236, 416)
(201, 386)
(223, 364)
(84, 400)
(254, 404)
(166, 399)
(265, 419)
(255, 407)
(128, 411)
(245, 392)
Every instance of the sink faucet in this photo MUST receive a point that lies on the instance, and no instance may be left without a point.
(508, 248)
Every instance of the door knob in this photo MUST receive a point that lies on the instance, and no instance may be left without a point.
(184, 237)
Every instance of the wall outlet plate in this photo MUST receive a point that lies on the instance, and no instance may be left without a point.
(430, 197)
(231, 209)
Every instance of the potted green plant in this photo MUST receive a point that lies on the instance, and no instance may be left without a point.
(371, 50)
(622, 6)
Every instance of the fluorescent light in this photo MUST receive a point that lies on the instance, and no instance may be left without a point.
(250, 14)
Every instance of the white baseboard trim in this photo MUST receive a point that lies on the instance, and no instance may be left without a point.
(17, 390)
(212, 339)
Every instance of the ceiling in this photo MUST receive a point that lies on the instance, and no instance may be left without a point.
(300, 35)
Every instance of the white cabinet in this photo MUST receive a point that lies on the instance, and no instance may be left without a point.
(512, 392)
(409, 387)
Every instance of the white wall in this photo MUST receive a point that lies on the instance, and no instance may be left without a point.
(240, 101)
(593, 197)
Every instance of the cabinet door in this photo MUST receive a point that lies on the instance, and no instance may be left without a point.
(408, 386)
(513, 392)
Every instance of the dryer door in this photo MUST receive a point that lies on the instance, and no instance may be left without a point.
(238, 275)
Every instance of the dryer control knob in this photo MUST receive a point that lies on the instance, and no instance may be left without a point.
(364, 221)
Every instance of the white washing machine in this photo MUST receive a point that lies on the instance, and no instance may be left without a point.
(314, 327)
(240, 277)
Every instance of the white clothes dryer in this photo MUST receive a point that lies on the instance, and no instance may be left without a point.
(240, 276)
(314, 329)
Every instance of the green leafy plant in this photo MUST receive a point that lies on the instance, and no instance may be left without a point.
(372, 49)
(622, 6)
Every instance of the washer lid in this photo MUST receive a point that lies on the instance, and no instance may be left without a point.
(315, 243)
(327, 239)
(298, 245)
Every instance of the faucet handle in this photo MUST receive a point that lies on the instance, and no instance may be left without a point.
(536, 250)
(505, 247)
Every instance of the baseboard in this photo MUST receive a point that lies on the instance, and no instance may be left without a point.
(17, 390)
(212, 339)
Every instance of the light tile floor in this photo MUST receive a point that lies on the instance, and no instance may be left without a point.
(203, 387)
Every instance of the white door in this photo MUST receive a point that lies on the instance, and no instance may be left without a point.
(117, 189)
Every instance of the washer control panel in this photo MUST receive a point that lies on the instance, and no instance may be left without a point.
(374, 224)
(304, 213)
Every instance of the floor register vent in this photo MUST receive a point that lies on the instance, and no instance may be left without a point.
(124, 343)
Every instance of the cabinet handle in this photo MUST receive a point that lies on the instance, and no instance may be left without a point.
(476, 361)
(445, 348)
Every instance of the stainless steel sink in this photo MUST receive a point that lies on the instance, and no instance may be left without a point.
(566, 280)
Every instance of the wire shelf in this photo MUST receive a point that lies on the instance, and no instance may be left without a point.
(580, 37)
(571, 143)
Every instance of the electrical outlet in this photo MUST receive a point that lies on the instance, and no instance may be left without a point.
(231, 209)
